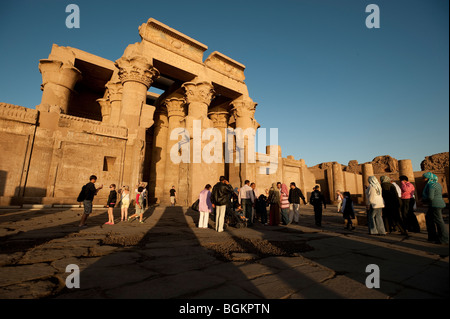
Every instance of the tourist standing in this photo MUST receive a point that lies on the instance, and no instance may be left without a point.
(432, 196)
(112, 199)
(139, 213)
(144, 195)
(274, 202)
(220, 199)
(408, 216)
(284, 204)
(391, 210)
(88, 192)
(173, 196)
(204, 206)
(125, 200)
(317, 200)
(247, 201)
(255, 214)
(398, 189)
(374, 205)
(339, 199)
(348, 210)
(294, 202)
(261, 207)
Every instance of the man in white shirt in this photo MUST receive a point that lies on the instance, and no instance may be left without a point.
(247, 199)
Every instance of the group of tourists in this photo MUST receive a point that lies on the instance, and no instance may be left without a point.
(116, 198)
(283, 204)
(391, 207)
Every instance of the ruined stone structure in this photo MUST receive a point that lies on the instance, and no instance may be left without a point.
(98, 117)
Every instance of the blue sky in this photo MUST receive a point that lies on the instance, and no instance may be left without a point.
(336, 90)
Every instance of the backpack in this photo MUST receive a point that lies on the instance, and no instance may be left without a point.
(82, 194)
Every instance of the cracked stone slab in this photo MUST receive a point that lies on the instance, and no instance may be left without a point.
(287, 282)
(168, 286)
(240, 271)
(337, 288)
(17, 274)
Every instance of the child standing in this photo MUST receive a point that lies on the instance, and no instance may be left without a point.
(112, 199)
(125, 203)
(139, 206)
(348, 210)
(339, 199)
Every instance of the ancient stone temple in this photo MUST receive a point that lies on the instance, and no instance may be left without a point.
(100, 117)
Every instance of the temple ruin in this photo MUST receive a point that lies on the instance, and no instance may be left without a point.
(98, 116)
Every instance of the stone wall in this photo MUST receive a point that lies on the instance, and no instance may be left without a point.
(17, 130)
(46, 156)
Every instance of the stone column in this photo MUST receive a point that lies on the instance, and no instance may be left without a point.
(367, 170)
(220, 121)
(158, 164)
(243, 111)
(176, 112)
(58, 82)
(198, 96)
(405, 168)
(137, 75)
(105, 106)
(338, 181)
(115, 99)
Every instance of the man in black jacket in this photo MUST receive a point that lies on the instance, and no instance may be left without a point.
(294, 202)
(317, 200)
(89, 191)
(220, 198)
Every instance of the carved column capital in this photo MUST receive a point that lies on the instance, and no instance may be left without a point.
(105, 106)
(199, 92)
(220, 119)
(114, 91)
(136, 69)
(175, 107)
(243, 107)
(59, 73)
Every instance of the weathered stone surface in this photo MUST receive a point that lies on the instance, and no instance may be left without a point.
(172, 261)
(383, 164)
(435, 162)
(167, 287)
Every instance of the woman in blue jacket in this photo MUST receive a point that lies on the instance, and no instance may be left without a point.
(432, 195)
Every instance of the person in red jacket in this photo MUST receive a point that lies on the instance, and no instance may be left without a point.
(408, 216)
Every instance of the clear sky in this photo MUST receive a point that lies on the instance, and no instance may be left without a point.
(336, 90)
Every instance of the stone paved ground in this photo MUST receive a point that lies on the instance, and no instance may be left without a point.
(168, 257)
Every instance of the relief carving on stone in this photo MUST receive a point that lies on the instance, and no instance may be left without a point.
(175, 107)
(202, 92)
(137, 69)
(243, 107)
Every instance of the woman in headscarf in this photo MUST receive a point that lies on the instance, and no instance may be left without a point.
(284, 204)
(391, 210)
(432, 195)
(374, 205)
(274, 202)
